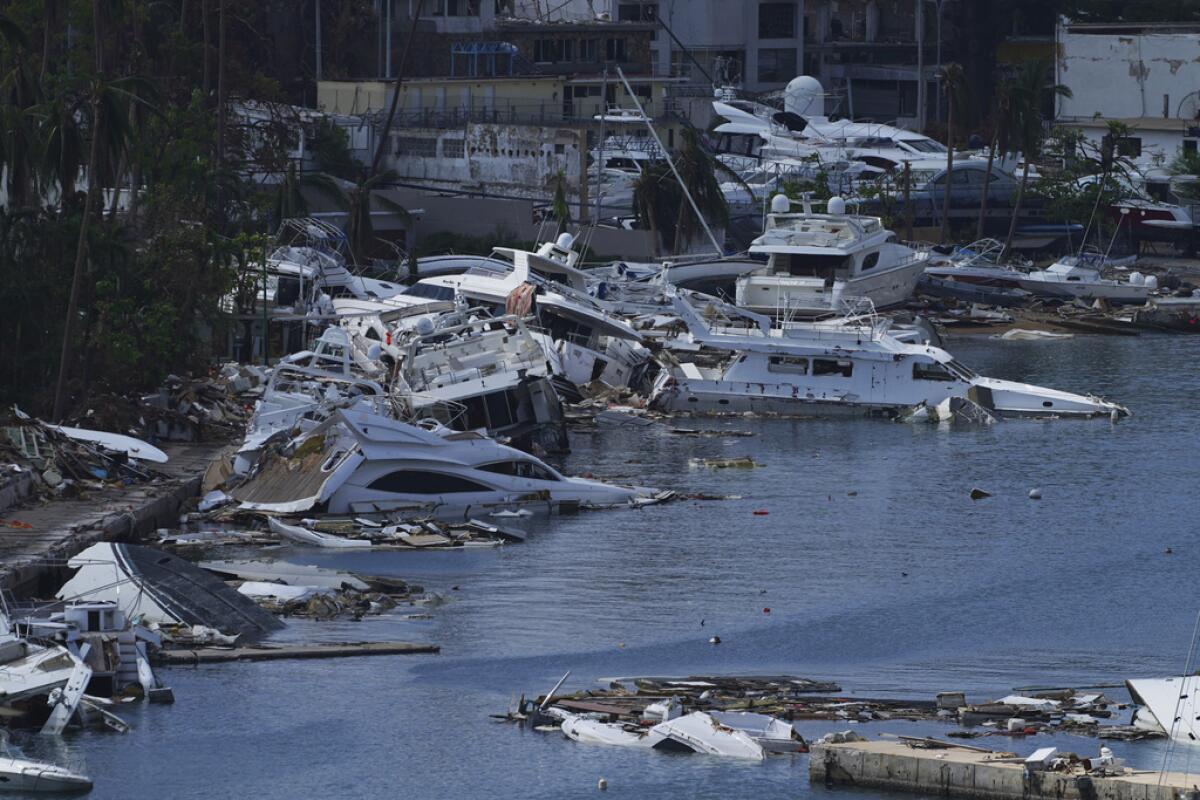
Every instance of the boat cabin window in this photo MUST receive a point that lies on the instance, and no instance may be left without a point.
(789, 365)
(801, 265)
(520, 469)
(430, 291)
(870, 261)
(408, 481)
(961, 370)
(932, 372)
(833, 366)
(287, 291)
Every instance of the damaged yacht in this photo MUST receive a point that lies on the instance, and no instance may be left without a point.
(847, 370)
(359, 462)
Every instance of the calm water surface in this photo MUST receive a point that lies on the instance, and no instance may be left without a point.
(905, 587)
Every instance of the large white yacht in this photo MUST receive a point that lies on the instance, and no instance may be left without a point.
(819, 263)
(845, 370)
(802, 131)
(359, 462)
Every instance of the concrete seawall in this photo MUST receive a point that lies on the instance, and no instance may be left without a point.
(972, 773)
(36, 541)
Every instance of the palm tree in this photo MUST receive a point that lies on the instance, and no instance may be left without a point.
(698, 170)
(559, 206)
(19, 92)
(1001, 134)
(1027, 131)
(656, 199)
(108, 113)
(953, 82)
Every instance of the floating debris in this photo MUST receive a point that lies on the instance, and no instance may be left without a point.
(740, 462)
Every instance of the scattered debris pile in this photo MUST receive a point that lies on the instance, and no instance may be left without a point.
(56, 461)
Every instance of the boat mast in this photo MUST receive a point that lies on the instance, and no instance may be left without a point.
(670, 162)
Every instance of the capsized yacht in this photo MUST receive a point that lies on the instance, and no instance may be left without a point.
(817, 263)
(846, 370)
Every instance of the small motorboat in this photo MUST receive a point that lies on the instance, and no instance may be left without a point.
(24, 775)
(1079, 277)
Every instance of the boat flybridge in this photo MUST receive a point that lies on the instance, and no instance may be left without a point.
(802, 131)
(813, 369)
(583, 339)
(817, 263)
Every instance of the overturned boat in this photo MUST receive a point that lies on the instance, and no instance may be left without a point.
(152, 586)
(854, 369)
(1167, 706)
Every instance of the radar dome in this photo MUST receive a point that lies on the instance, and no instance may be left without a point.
(565, 240)
(804, 95)
(424, 326)
(780, 204)
(836, 206)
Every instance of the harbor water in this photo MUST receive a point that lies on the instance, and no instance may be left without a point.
(871, 567)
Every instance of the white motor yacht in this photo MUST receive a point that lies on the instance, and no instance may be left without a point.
(584, 340)
(358, 462)
(1079, 276)
(817, 263)
(845, 370)
(486, 373)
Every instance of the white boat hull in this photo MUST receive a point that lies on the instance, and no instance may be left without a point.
(23, 775)
(1112, 291)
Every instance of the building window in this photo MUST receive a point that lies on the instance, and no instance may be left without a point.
(587, 50)
(548, 50)
(637, 12)
(421, 146)
(1189, 145)
(614, 49)
(777, 21)
(1129, 146)
(453, 148)
(776, 66)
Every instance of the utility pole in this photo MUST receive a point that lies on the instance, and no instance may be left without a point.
(318, 43)
(920, 66)
(938, 99)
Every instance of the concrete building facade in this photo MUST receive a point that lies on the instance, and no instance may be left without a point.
(1146, 76)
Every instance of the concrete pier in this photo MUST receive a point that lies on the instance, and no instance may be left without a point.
(272, 652)
(973, 773)
(36, 541)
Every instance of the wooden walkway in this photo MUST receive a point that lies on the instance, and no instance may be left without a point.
(36, 539)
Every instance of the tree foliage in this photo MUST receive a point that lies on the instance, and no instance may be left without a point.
(174, 229)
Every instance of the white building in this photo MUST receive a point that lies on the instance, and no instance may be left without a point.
(1145, 76)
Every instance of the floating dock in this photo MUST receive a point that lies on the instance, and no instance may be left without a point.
(209, 655)
(956, 771)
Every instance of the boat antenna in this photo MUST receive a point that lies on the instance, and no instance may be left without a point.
(670, 162)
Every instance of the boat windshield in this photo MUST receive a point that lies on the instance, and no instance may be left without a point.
(961, 371)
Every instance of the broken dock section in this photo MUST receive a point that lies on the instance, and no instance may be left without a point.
(209, 655)
(957, 771)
